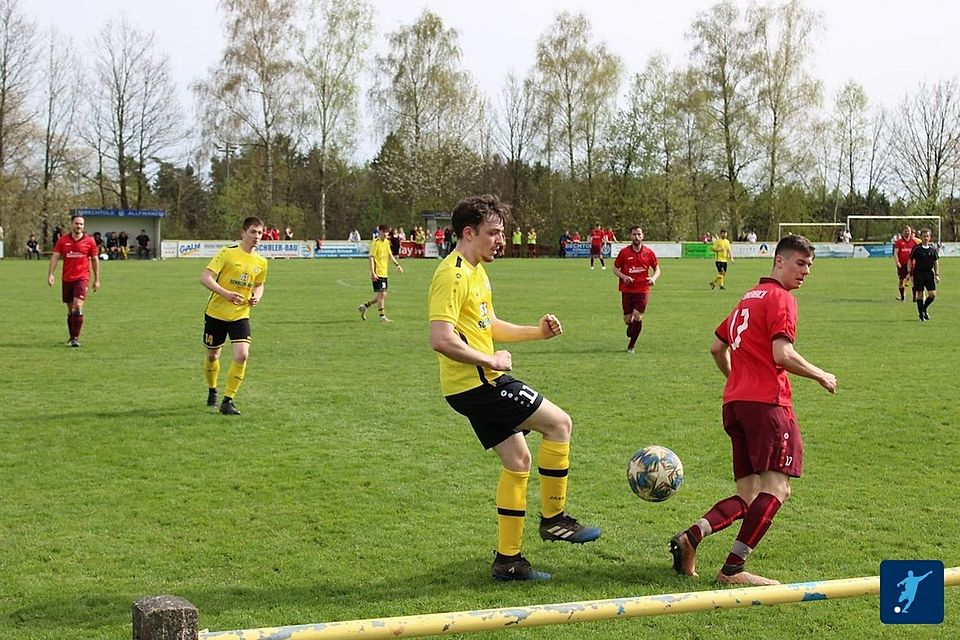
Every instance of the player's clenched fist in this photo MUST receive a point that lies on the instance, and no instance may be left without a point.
(550, 326)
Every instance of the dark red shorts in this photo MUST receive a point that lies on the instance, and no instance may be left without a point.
(75, 290)
(631, 301)
(902, 271)
(596, 250)
(765, 437)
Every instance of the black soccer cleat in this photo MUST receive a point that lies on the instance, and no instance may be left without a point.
(212, 398)
(562, 527)
(227, 408)
(515, 568)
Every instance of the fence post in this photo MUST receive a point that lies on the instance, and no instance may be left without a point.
(165, 618)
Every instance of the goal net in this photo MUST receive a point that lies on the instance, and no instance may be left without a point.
(812, 231)
(886, 228)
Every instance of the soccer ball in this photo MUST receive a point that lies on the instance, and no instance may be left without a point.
(655, 473)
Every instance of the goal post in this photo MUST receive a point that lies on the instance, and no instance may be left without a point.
(884, 228)
(813, 231)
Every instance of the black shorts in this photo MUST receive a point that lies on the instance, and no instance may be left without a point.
(924, 280)
(380, 284)
(721, 267)
(496, 410)
(215, 331)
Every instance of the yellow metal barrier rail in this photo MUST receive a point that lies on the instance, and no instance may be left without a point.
(586, 611)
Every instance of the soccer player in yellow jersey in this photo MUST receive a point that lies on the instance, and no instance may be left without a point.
(380, 257)
(501, 409)
(723, 251)
(235, 278)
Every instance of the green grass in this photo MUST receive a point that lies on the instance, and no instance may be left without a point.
(349, 489)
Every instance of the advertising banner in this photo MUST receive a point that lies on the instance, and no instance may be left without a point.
(288, 249)
(582, 250)
(697, 250)
(200, 248)
(342, 249)
(168, 249)
(873, 251)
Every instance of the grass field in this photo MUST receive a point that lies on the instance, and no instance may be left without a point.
(349, 489)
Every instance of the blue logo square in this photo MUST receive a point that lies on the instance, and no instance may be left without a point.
(911, 592)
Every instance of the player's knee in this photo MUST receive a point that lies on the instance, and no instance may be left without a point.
(241, 358)
(562, 428)
(518, 462)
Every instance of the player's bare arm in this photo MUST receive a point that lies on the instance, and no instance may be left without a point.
(656, 275)
(548, 327)
(54, 258)
(95, 266)
(622, 275)
(444, 339)
(720, 351)
(787, 357)
(209, 280)
(256, 296)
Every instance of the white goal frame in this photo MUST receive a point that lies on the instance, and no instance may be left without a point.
(781, 225)
(905, 219)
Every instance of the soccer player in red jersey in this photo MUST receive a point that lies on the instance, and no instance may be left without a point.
(901, 256)
(633, 267)
(753, 348)
(79, 253)
(597, 238)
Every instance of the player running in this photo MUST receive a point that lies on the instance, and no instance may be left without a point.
(235, 278)
(79, 253)
(753, 348)
(633, 267)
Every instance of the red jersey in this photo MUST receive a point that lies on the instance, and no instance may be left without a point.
(764, 313)
(597, 236)
(610, 236)
(637, 265)
(75, 254)
(902, 249)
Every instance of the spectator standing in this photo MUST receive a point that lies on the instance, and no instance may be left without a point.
(354, 236)
(516, 241)
(564, 240)
(143, 244)
(532, 243)
(438, 240)
(80, 254)
(235, 278)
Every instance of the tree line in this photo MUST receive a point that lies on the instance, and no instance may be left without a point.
(737, 135)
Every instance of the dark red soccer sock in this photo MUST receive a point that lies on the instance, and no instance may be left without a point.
(721, 516)
(635, 328)
(756, 521)
(77, 324)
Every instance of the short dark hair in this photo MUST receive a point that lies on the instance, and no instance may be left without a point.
(472, 211)
(636, 226)
(252, 221)
(383, 228)
(794, 244)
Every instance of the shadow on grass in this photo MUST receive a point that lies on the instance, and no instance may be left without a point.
(465, 584)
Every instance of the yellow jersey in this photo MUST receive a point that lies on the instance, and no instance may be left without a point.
(461, 295)
(380, 252)
(721, 247)
(237, 271)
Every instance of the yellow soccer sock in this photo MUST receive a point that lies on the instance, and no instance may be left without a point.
(720, 278)
(211, 372)
(554, 465)
(511, 509)
(234, 378)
